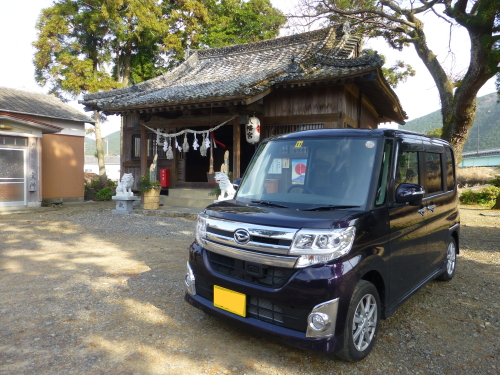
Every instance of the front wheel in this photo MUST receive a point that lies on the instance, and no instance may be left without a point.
(362, 322)
(450, 263)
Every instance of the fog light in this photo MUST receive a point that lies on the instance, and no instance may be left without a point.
(318, 321)
(189, 280)
(322, 320)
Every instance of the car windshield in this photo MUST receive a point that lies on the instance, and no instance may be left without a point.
(309, 174)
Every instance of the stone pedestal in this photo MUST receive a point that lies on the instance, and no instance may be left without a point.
(124, 204)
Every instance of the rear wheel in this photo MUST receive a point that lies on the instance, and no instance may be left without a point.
(362, 322)
(450, 263)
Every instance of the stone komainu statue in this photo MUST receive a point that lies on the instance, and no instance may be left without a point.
(226, 187)
(125, 185)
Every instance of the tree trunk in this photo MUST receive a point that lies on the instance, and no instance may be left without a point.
(127, 66)
(497, 204)
(100, 151)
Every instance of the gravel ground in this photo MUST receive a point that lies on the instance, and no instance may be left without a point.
(87, 292)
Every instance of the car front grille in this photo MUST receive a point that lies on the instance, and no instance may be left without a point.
(267, 276)
(263, 309)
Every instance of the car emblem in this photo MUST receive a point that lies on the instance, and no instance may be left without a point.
(241, 236)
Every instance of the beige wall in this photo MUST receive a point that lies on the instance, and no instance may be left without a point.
(62, 166)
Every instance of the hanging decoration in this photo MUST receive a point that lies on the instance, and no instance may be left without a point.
(177, 145)
(160, 138)
(166, 139)
(252, 130)
(207, 140)
(185, 145)
(170, 153)
(203, 148)
(195, 143)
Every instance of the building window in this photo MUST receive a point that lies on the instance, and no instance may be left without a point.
(13, 141)
(136, 146)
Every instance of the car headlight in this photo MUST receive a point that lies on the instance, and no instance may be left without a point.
(201, 229)
(320, 246)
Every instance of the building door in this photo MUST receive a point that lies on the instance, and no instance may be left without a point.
(12, 177)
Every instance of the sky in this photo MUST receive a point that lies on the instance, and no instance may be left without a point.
(418, 95)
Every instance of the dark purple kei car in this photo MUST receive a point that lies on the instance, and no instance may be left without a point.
(329, 231)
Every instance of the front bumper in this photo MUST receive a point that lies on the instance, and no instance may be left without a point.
(285, 335)
(304, 290)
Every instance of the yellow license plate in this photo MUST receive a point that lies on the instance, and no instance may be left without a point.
(230, 300)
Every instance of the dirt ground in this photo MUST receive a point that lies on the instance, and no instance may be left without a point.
(86, 292)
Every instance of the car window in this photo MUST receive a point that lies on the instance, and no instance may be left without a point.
(433, 170)
(407, 170)
(450, 171)
(384, 171)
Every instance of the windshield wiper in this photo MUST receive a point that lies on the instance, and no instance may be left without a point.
(267, 203)
(328, 207)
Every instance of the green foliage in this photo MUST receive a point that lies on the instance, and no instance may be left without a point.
(495, 182)
(485, 196)
(104, 194)
(234, 22)
(398, 73)
(113, 145)
(215, 192)
(145, 184)
(438, 133)
(487, 119)
(94, 45)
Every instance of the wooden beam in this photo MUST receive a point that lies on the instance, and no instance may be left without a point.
(236, 148)
(298, 119)
(254, 98)
(144, 149)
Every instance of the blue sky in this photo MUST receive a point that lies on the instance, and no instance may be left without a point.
(418, 95)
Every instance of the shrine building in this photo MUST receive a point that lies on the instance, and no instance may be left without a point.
(315, 80)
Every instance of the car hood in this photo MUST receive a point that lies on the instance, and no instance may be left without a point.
(281, 217)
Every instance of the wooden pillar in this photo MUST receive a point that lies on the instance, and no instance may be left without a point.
(236, 148)
(144, 150)
(341, 105)
(360, 106)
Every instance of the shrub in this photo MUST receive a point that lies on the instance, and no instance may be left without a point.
(495, 182)
(486, 195)
(475, 176)
(104, 194)
(145, 184)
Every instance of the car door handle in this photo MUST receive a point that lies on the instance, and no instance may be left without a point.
(431, 208)
(422, 211)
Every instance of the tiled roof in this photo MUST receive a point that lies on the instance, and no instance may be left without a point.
(244, 71)
(31, 103)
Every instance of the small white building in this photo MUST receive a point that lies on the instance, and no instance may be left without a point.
(112, 166)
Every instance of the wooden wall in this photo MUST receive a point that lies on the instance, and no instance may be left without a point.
(62, 166)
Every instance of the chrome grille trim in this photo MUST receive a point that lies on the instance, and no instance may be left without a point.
(268, 248)
(250, 256)
(256, 231)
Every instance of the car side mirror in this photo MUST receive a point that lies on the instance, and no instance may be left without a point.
(236, 184)
(410, 194)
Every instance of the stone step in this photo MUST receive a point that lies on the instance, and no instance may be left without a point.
(187, 202)
(190, 193)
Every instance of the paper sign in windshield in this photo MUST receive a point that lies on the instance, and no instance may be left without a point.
(275, 167)
(299, 168)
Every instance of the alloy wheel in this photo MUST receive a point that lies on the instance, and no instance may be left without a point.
(364, 323)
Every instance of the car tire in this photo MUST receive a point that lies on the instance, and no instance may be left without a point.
(362, 323)
(450, 263)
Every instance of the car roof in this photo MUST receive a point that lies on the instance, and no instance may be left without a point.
(405, 135)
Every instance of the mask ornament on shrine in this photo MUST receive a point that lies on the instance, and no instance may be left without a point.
(252, 130)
